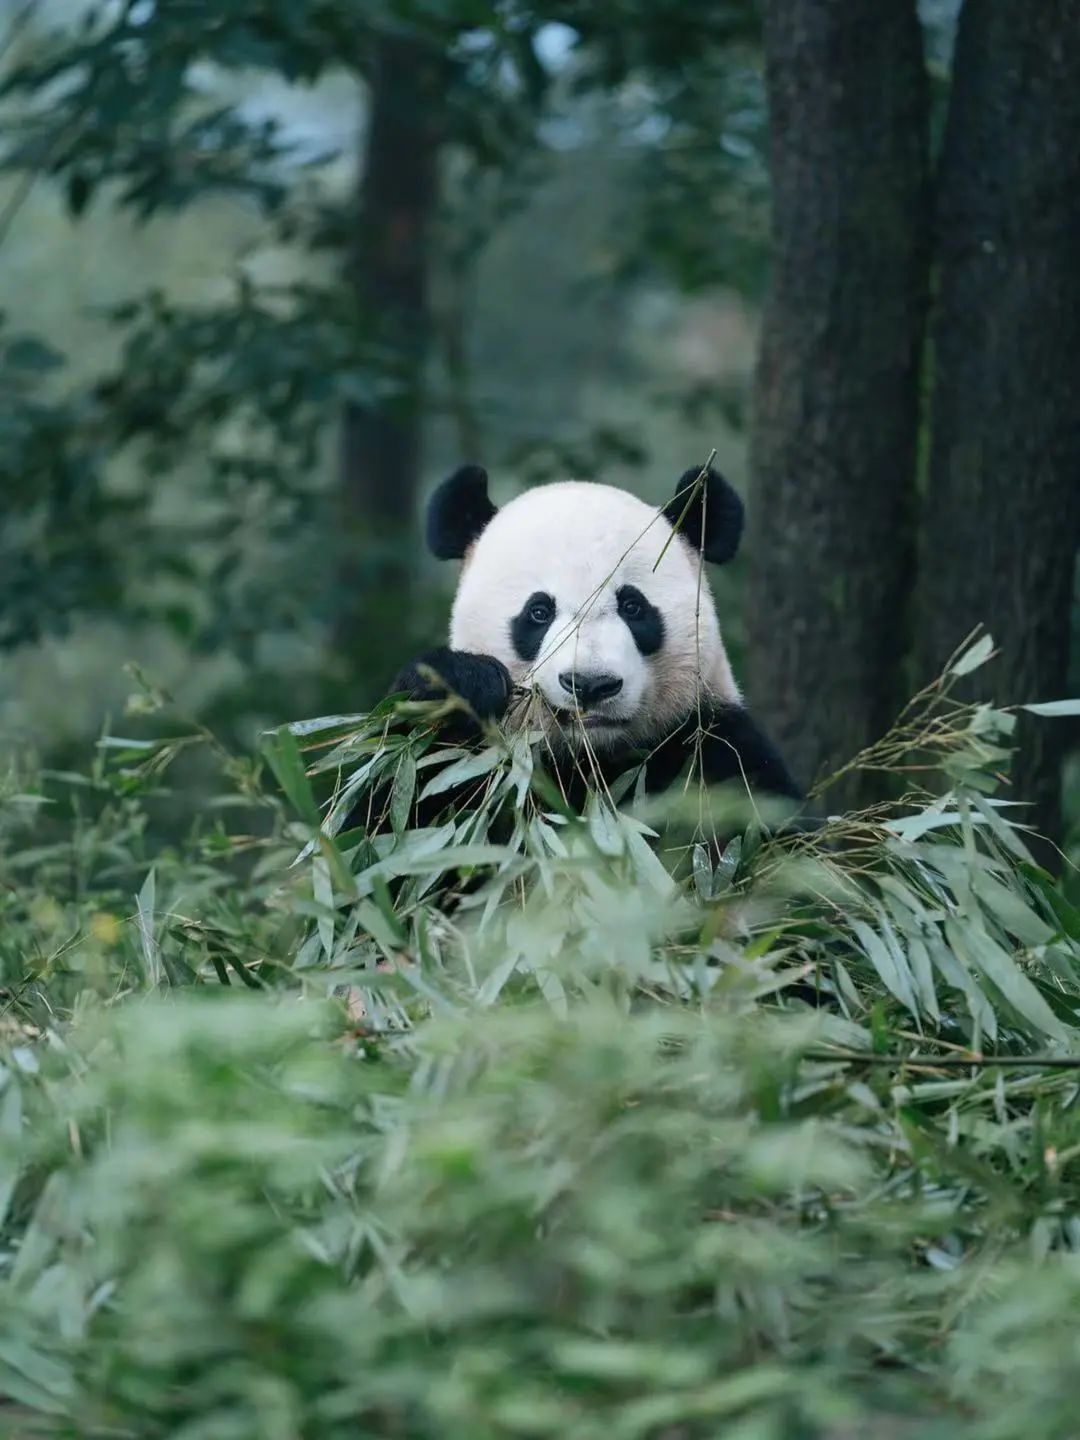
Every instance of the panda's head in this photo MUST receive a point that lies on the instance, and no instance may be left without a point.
(599, 611)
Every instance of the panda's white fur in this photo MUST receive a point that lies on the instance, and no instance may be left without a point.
(579, 542)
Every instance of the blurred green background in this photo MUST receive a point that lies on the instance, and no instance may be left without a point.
(268, 271)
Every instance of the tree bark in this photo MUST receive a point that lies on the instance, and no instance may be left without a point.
(389, 268)
(837, 390)
(1003, 507)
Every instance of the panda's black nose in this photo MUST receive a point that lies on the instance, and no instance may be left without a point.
(589, 687)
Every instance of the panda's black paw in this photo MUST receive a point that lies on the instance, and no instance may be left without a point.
(480, 680)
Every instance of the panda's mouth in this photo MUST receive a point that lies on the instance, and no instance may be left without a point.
(593, 719)
(563, 717)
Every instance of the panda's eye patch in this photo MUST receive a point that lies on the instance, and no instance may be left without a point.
(530, 624)
(644, 621)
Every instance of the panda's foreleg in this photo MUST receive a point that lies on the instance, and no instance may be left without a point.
(733, 746)
(480, 680)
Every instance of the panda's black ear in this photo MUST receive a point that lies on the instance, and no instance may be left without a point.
(457, 512)
(709, 515)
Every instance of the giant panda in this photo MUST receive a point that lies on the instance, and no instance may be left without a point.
(582, 612)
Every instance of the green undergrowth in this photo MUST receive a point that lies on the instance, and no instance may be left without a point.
(316, 1124)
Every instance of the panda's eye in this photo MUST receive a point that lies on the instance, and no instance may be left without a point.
(644, 620)
(541, 611)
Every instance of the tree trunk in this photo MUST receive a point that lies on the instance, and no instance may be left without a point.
(452, 310)
(837, 398)
(1003, 508)
(389, 268)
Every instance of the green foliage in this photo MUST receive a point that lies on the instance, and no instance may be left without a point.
(118, 98)
(150, 111)
(521, 1124)
(57, 545)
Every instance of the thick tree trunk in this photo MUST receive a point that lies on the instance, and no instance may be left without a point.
(381, 449)
(836, 418)
(1003, 508)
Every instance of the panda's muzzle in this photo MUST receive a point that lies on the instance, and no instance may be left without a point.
(589, 688)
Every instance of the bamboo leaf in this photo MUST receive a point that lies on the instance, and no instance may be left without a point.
(1066, 915)
(492, 985)
(323, 893)
(974, 656)
(472, 767)
(923, 972)
(144, 915)
(404, 789)
(283, 755)
(302, 728)
(552, 989)
(1054, 709)
(988, 958)
(1010, 910)
(703, 873)
(891, 967)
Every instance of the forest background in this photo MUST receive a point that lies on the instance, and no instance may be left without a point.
(270, 270)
